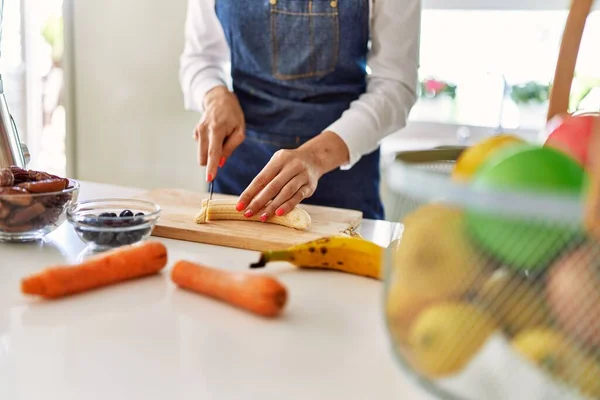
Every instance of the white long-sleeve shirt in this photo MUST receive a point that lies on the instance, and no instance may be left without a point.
(393, 62)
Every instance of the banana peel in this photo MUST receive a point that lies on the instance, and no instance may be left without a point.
(349, 254)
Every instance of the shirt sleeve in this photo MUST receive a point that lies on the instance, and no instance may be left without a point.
(392, 83)
(205, 53)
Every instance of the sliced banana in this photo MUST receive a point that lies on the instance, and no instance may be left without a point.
(225, 209)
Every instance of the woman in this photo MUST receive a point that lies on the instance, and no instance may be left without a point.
(303, 120)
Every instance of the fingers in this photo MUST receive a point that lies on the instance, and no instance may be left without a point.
(289, 205)
(196, 136)
(232, 142)
(265, 186)
(288, 180)
(223, 119)
(270, 190)
(296, 188)
(215, 148)
(203, 145)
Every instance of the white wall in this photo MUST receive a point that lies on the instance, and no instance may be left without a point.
(129, 125)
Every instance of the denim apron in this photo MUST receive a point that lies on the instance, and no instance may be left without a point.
(296, 66)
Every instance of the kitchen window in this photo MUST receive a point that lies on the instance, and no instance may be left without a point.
(487, 66)
(31, 67)
(11, 61)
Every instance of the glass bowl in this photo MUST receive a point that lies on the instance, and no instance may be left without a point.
(26, 217)
(490, 294)
(109, 223)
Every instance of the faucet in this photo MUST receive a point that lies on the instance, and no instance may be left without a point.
(12, 151)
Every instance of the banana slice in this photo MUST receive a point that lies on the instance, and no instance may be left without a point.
(224, 209)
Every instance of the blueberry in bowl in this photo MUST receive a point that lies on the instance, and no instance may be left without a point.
(109, 223)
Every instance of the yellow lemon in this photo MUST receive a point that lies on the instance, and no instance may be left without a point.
(555, 354)
(473, 157)
(437, 212)
(433, 261)
(515, 302)
(434, 256)
(403, 306)
(446, 336)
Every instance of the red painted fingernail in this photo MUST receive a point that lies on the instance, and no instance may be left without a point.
(279, 212)
(222, 162)
(264, 217)
(248, 214)
(240, 206)
(209, 178)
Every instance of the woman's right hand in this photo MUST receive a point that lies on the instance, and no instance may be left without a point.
(220, 131)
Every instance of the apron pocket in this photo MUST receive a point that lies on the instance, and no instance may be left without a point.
(304, 37)
(275, 142)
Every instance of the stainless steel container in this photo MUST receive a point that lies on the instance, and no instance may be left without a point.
(12, 151)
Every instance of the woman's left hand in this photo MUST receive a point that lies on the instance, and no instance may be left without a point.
(291, 176)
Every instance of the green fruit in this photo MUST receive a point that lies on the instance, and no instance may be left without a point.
(526, 244)
(526, 166)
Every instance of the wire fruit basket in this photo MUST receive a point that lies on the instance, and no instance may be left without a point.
(493, 289)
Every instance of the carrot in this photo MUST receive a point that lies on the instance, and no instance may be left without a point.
(260, 294)
(118, 265)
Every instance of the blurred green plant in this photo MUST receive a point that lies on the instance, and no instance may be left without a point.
(53, 34)
(581, 87)
(432, 88)
(530, 92)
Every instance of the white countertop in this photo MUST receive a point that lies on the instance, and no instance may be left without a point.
(147, 340)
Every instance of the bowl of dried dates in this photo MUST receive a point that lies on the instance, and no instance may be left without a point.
(109, 223)
(33, 203)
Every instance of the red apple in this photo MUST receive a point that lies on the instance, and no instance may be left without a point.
(573, 292)
(573, 137)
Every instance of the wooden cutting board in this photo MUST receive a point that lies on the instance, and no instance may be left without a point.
(179, 207)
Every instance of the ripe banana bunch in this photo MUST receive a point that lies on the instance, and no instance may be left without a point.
(352, 255)
(224, 209)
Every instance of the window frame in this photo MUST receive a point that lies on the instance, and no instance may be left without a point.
(500, 5)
